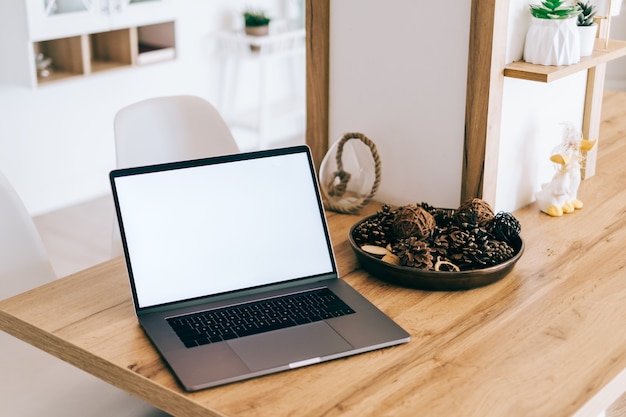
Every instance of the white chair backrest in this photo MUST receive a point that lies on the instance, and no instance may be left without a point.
(166, 129)
(24, 263)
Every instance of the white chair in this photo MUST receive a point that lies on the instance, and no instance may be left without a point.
(24, 263)
(33, 383)
(168, 129)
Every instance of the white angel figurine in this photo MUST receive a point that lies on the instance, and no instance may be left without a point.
(559, 196)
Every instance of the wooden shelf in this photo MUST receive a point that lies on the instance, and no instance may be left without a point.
(155, 43)
(109, 50)
(87, 54)
(548, 73)
(67, 53)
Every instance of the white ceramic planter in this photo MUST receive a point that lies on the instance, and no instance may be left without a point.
(257, 30)
(587, 39)
(552, 42)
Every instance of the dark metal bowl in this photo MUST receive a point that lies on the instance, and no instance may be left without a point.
(433, 280)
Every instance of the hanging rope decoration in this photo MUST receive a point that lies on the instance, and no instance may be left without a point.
(338, 184)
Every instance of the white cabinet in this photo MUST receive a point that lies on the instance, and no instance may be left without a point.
(82, 37)
(126, 13)
(48, 19)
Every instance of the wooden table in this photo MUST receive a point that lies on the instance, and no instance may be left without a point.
(547, 340)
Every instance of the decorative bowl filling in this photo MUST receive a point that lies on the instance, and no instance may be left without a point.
(426, 247)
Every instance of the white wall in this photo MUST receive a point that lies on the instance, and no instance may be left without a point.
(616, 70)
(56, 141)
(399, 76)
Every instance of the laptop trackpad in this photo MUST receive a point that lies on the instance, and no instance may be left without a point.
(282, 347)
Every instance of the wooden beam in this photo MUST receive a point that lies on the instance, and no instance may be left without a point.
(485, 80)
(317, 68)
(592, 113)
(591, 117)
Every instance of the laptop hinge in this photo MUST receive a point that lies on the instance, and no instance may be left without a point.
(313, 281)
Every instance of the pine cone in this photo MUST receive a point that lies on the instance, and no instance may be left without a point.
(370, 232)
(495, 252)
(387, 216)
(439, 243)
(376, 230)
(467, 246)
(414, 253)
(443, 217)
(470, 221)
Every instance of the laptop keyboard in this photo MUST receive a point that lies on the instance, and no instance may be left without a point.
(258, 317)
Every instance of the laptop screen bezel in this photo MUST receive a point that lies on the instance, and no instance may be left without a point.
(304, 149)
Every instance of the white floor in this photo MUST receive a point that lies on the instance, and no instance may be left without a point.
(78, 237)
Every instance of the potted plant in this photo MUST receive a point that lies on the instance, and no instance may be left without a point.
(256, 24)
(587, 27)
(553, 37)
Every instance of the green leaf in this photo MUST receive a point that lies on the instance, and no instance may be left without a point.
(554, 9)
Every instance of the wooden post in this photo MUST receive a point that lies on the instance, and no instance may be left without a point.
(593, 104)
(485, 80)
(317, 68)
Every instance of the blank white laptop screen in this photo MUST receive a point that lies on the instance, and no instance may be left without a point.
(216, 228)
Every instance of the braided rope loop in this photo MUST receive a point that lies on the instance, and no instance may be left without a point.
(337, 185)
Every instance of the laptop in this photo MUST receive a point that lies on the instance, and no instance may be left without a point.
(232, 270)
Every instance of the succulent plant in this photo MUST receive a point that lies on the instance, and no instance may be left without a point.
(253, 18)
(555, 9)
(587, 13)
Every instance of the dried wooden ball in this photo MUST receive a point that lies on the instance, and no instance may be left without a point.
(413, 221)
(474, 211)
(505, 227)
